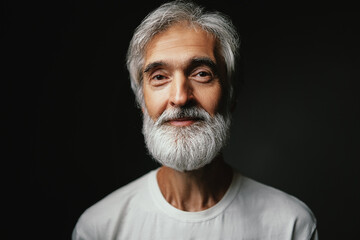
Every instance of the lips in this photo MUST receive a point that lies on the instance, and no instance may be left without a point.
(182, 122)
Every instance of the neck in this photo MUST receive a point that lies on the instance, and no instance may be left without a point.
(195, 190)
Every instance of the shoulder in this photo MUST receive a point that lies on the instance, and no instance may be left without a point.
(105, 213)
(271, 207)
(273, 199)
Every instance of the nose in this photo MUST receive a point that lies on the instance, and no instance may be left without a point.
(181, 91)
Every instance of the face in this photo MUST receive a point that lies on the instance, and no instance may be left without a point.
(182, 93)
(181, 69)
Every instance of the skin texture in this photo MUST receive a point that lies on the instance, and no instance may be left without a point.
(181, 69)
(174, 82)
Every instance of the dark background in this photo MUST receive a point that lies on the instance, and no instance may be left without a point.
(73, 134)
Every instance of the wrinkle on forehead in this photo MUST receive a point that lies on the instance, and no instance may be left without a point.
(185, 38)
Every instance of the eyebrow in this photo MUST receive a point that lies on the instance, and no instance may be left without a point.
(202, 61)
(154, 65)
(192, 63)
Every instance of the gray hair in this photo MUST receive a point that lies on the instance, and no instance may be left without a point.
(168, 14)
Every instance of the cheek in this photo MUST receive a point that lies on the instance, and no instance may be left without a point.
(155, 102)
(210, 99)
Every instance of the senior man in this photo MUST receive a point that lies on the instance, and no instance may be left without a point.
(181, 61)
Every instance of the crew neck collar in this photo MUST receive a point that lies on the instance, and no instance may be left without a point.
(185, 216)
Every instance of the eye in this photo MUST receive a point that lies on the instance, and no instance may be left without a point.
(202, 76)
(158, 77)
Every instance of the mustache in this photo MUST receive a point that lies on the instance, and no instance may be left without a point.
(188, 112)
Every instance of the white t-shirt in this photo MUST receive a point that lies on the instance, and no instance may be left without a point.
(248, 210)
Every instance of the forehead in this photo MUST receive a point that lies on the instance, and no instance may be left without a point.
(180, 43)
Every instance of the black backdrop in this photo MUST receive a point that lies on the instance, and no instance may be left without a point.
(73, 134)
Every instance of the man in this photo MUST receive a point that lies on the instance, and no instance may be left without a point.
(181, 62)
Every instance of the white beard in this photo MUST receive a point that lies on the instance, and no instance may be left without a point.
(189, 147)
